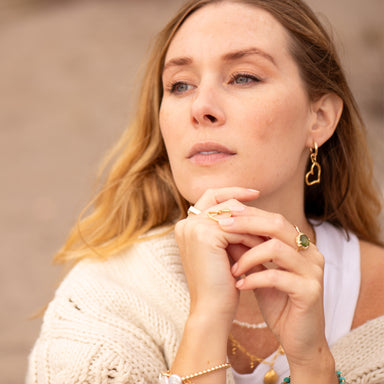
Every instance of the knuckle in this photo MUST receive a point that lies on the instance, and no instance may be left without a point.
(201, 233)
(318, 260)
(210, 192)
(273, 276)
(276, 246)
(194, 231)
(279, 221)
(185, 227)
(231, 204)
(234, 202)
(319, 272)
(314, 289)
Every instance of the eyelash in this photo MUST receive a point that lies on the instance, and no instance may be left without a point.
(235, 76)
(172, 86)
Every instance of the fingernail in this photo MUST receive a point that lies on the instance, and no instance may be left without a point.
(235, 267)
(227, 221)
(253, 190)
(239, 283)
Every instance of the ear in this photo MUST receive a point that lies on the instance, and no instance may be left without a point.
(326, 115)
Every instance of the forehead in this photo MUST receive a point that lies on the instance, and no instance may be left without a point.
(227, 26)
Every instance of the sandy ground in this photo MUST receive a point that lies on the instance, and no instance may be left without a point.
(67, 76)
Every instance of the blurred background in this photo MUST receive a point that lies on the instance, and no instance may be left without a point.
(68, 71)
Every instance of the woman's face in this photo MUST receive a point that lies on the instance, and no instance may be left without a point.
(234, 110)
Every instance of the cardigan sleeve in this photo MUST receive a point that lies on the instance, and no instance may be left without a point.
(117, 320)
(99, 329)
(79, 346)
(360, 353)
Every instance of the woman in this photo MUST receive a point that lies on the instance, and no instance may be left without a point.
(246, 117)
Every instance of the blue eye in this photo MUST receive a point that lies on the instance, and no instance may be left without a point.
(180, 87)
(243, 78)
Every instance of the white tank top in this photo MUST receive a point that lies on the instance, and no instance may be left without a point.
(341, 291)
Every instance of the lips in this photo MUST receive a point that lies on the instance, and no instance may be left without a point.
(208, 153)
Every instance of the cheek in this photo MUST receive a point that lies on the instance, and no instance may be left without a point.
(281, 116)
(275, 128)
(163, 118)
(171, 117)
(262, 121)
(166, 128)
(172, 135)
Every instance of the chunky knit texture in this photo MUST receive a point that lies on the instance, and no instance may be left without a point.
(121, 321)
(360, 354)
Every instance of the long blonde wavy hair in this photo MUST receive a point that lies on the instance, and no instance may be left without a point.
(139, 193)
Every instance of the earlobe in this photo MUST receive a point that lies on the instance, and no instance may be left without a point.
(327, 112)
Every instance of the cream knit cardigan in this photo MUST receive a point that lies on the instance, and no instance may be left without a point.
(121, 320)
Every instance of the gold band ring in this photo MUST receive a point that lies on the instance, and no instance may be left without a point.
(213, 214)
(302, 240)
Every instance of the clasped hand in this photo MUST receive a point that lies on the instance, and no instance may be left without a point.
(254, 250)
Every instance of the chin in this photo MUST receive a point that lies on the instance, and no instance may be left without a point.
(192, 196)
(193, 193)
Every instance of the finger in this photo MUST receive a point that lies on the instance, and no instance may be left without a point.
(237, 250)
(272, 251)
(216, 196)
(261, 223)
(200, 229)
(269, 278)
(298, 288)
(245, 240)
(276, 254)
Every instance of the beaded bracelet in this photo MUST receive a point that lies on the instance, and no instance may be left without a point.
(168, 378)
(339, 375)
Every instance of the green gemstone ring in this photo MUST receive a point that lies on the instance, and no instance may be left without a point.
(302, 240)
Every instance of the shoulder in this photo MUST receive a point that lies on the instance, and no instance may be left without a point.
(138, 299)
(141, 270)
(153, 251)
(135, 287)
(372, 261)
(371, 299)
(372, 270)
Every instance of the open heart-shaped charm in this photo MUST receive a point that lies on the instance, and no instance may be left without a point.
(314, 174)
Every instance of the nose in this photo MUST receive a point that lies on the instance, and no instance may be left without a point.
(206, 109)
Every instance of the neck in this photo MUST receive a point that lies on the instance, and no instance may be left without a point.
(287, 200)
(248, 310)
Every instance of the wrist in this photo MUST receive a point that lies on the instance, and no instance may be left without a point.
(209, 313)
(203, 346)
(204, 322)
(318, 370)
(340, 379)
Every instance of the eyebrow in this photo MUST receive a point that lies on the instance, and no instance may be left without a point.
(230, 56)
(178, 62)
(235, 55)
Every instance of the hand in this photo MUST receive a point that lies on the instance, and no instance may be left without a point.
(204, 252)
(290, 296)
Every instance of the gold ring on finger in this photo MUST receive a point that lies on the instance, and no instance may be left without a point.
(302, 240)
(214, 214)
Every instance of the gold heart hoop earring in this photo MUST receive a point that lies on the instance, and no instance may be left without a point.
(315, 171)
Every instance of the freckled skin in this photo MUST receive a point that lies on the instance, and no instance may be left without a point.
(266, 123)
